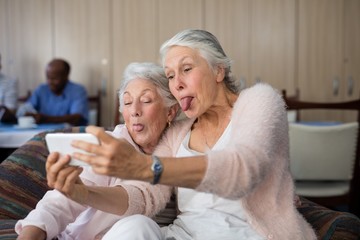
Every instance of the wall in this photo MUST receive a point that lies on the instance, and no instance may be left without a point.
(99, 38)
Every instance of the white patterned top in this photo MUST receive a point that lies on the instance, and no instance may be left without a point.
(8, 91)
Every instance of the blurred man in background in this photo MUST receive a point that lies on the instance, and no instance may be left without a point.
(59, 100)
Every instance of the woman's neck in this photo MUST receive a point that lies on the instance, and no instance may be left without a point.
(221, 109)
(210, 125)
(147, 149)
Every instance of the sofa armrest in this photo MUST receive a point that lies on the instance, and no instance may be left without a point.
(330, 224)
(23, 177)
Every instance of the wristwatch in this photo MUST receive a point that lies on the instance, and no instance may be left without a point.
(157, 169)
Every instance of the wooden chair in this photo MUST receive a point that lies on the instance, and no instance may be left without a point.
(352, 197)
(95, 107)
(22, 99)
(118, 117)
(293, 115)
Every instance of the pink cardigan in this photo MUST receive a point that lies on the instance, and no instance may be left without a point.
(254, 168)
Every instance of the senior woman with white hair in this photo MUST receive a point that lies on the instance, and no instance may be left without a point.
(84, 204)
(229, 160)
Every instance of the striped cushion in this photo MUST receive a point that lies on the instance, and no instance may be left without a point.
(7, 229)
(23, 181)
(330, 224)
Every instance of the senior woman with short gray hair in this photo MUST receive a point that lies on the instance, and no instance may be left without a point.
(84, 204)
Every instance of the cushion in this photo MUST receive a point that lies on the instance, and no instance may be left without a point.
(7, 229)
(330, 224)
(23, 181)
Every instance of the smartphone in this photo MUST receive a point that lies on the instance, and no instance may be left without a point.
(61, 142)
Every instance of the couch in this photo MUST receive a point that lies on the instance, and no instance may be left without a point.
(23, 183)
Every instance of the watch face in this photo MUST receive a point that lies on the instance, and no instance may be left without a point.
(157, 167)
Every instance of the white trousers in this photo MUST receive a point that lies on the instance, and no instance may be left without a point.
(136, 227)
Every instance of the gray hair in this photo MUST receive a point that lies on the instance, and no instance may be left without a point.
(150, 72)
(209, 48)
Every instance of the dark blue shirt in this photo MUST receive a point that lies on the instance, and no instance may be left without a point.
(73, 100)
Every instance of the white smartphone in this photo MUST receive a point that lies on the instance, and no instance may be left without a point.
(61, 142)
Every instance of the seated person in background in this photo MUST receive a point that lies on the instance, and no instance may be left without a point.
(8, 97)
(59, 100)
(78, 211)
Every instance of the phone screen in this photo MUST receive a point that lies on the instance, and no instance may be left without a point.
(61, 142)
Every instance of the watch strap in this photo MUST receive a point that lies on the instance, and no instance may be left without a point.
(157, 169)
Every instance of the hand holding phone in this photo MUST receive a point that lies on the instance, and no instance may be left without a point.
(61, 142)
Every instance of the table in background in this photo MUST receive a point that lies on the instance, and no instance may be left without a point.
(12, 137)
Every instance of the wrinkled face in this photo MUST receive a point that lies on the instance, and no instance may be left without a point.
(191, 80)
(144, 112)
(56, 77)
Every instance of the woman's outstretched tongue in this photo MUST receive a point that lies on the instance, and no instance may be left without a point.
(185, 103)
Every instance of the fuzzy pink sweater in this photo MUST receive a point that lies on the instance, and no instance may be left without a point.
(254, 168)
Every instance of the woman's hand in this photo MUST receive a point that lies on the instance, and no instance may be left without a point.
(31, 233)
(65, 178)
(114, 157)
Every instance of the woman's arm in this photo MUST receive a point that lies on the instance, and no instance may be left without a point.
(185, 172)
(31, 233)
(107, 199)
(116, 157)
(66, 180)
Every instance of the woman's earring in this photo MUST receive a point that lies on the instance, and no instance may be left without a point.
(169, 123)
